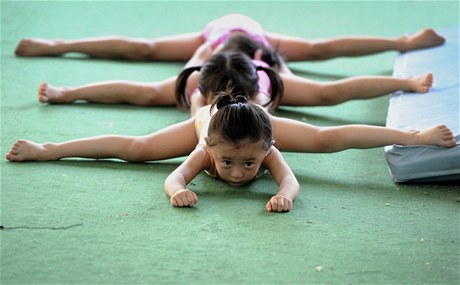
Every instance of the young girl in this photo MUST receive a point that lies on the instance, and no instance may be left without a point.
(264, 86)
(183, 46)
(215, 137)
(197, 84)
(235, 145)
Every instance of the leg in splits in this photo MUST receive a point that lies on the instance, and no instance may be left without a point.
(291, 135)
(173, 141)
(298, 49)
(299, 91)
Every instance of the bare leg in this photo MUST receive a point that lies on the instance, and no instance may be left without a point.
(180, 47)
(295, 136)
(296, 49)
(173, 141)
(303, 92)
(112, 92)
(115, 92)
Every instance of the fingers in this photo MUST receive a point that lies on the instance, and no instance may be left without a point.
(279, 203)
(268, 207)
(184, 198)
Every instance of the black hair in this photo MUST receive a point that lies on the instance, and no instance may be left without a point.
(237, 121)
(224, 68)
(244, 44)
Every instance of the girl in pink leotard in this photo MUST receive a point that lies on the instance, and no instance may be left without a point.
(251, 78)
(183, 46)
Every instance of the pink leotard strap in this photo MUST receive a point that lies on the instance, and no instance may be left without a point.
(264, 80)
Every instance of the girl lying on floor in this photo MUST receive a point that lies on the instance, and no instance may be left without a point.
(183, 46)
(233, 140)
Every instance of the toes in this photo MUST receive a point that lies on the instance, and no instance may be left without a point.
(18, 51)
(42, 98)
(42, 92)
(429, 78)
(43, 87)
(12, 157)
(21, 48)
(444, 127)
(16, 152)
(15, 147)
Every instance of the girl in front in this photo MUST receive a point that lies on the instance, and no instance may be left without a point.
(235, 145)
(215, 144)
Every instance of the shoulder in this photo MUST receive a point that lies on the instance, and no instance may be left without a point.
(200, 150)
(273, 156)
(200, 155)
(203, 111)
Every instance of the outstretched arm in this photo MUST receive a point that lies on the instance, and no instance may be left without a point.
(176, 182)
(288, 185)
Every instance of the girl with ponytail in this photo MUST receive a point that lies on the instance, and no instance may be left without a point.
(235, 145)
(254, 79)
(233, 140)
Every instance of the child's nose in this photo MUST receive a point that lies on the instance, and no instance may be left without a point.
(236, 173)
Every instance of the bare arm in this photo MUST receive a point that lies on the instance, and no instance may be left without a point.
(176, 182)
(288, 185)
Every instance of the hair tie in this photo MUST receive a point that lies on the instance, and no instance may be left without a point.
(240, 99)
(225, 99)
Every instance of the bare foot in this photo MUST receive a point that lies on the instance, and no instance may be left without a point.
(50, 94)
(421, 84)
(24, 150)
(439, 136)
(424, 39)
(36, 47)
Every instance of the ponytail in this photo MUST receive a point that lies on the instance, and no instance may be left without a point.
(183, 101)
(224, 99)
(277, 87)
(238, 121)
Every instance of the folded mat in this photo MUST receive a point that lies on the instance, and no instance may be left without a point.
(408, 111)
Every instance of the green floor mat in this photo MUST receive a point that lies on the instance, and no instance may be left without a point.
(79, 221)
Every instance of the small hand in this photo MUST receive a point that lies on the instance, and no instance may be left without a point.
(279, 203)
(184, 198)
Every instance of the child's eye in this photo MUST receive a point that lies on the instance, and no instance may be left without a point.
(227, 162)
(249, 164)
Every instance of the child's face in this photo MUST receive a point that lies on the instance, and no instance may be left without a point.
(238, 165)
